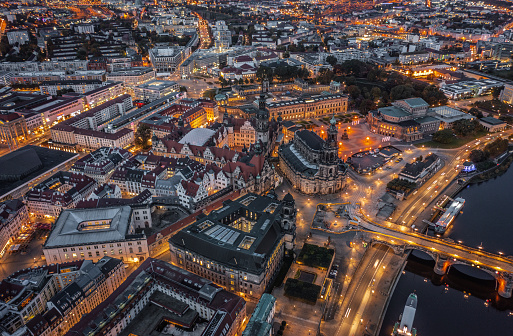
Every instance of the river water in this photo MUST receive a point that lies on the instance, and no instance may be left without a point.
(459, 304)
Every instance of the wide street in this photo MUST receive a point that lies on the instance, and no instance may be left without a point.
(422, 199)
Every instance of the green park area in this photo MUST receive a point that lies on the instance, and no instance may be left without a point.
(315, 256)
(462, 132)
(301, 290)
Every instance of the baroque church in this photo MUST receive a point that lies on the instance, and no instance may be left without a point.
(312, 164)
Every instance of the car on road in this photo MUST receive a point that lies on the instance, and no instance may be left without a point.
(333, 272)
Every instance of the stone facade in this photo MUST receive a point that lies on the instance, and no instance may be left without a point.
(311, 164)
(407, 120)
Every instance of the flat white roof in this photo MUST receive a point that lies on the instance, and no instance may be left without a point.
(197, 136)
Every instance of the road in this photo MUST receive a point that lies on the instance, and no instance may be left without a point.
(361, 290)
(411, 208)
(204, 33)
(398, 235)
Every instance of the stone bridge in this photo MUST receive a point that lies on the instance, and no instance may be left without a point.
(445, 252)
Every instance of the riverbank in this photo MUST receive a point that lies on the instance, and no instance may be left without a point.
(494, 172)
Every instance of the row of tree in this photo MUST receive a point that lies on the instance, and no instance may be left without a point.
(491, 150)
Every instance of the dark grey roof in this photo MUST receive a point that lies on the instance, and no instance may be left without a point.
(107, 264)
(414, 169)
(19, 163)
(492, 121)
(212, 236)
(298, 165)
(408, 123)
(311, 139)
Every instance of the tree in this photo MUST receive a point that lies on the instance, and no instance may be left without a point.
(444, 136)
(264, 72)
(476, 112)
(332, 60)
(325, 76)
(142, 136)
(210, 94)
(183, 89)
(433, 95)
(401, 92)
(375, 92)
(354, 91)
(497, 147)
(496, 92)
(286, 54)
(354, 68)
(465, 127)
(367, 105)
(477, 156)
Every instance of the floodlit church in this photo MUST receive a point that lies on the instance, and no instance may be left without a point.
(312, 164)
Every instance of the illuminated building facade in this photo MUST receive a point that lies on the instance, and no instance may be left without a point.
(240, 246)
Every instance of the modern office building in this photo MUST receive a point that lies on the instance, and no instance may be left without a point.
(132, 76)
(470, 89)
(507, 94)
(222, 35)
(493, 125)
(155, 89)
(241, 245)
(448, 116)
(168, 58)
(20, 36)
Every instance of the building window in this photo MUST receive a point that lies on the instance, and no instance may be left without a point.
(66, 256)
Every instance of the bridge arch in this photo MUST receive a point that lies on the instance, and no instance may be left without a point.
(473, 269)
(398, 249)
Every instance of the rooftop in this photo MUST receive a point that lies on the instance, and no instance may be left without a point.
(311, 139)
(25, 157)
(393, 111)
(197, 137)
(492, 121)
(416, 102)
(156, 85)
(242, 234)
(90, 226)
